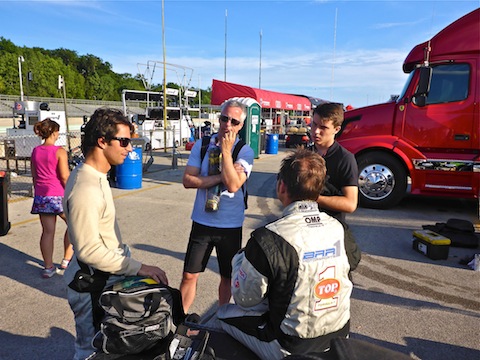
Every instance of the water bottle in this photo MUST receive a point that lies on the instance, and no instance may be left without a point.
(213, 193)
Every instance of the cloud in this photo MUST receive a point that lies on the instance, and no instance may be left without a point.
(396, 24)
(360, 77)
(70, 3)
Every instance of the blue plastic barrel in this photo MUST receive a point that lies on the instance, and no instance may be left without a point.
(129, 174)
(271, 144)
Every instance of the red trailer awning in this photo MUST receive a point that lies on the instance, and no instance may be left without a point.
(222, 90)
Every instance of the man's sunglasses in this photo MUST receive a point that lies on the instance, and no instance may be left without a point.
(225, 119)
(124, 142)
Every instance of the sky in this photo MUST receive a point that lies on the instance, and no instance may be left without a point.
(344, 51)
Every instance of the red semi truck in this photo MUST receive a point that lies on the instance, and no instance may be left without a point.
(430, 133)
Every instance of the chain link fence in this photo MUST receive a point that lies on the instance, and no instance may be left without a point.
(15, 156)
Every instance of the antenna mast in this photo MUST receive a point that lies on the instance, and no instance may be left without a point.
(225, 62)
(334, 47)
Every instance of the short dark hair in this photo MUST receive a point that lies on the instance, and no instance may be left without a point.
(45, 128)
(103, 124)
(330, 111)
(303, 172)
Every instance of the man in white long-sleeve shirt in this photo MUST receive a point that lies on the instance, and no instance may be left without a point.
(100, 256)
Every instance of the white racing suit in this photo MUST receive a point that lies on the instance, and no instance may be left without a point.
(290, 285)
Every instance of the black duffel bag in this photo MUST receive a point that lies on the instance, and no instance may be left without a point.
(140, 314)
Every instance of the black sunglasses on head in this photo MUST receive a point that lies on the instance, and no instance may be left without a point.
(124, 142)
(224, 118)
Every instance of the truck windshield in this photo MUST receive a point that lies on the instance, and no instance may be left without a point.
(405, 87)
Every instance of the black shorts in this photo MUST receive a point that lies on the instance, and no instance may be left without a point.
(203, 238)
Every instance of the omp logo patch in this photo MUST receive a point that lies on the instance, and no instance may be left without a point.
(327, 288)
(314, 219)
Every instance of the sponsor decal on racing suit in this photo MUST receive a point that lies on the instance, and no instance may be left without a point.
(326, 289)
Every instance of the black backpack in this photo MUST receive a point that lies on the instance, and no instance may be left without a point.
(236, 150)
(140, 315)
(460, 232)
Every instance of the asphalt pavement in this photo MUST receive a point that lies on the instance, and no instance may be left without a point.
(401, 300)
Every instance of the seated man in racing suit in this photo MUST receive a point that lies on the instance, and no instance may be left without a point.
(290, 283)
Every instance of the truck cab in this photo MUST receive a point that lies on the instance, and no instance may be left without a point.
(430, 134)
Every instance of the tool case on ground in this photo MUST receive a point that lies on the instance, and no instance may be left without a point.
(431, 244)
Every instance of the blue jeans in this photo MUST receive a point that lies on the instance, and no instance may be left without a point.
(81, 305)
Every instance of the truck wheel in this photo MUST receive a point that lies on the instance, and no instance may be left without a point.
(382, 181)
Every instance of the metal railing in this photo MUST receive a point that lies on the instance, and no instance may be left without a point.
(75, 107)
(15, 156)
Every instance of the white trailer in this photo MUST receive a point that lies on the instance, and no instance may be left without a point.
(151, 126)
(21, 137)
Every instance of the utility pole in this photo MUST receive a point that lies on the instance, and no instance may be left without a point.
(199, 99)
(334, 48)
(20, 60)
(260, 67)
(225, 62)
(164, 80)
(61, 84)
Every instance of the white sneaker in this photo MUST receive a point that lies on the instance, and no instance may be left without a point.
(48, 273)
(64, 264)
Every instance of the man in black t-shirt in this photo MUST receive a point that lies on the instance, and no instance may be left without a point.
(340, 194)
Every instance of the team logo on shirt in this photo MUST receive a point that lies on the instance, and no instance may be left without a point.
(326, 289)
(307, 206)
(313, 220)
(320, 254)
(242, 274)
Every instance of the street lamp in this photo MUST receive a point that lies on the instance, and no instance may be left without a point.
(20, 60)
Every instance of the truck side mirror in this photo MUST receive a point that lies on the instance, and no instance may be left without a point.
(423, 87)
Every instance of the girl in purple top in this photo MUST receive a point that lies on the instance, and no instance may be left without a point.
(50, 172)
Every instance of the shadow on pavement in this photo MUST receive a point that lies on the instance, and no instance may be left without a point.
(18, 266)
(32, 347)
(423, 348)
(379, 297)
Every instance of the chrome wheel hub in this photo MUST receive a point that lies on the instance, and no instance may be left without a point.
(376, 181)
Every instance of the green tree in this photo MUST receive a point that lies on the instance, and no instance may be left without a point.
(86, 76)
(7, 46)
(9, 79)
(69, 57)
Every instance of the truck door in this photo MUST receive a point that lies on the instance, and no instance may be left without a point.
(446, 132)
(446, 122)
